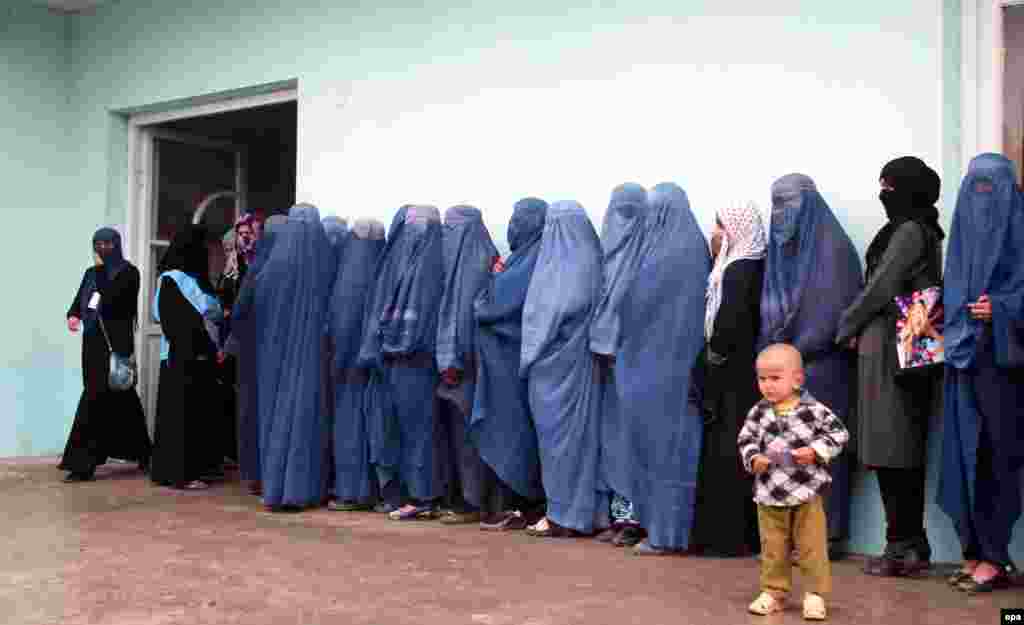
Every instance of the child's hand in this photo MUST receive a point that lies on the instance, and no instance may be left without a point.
(760, 464)
(805, 456)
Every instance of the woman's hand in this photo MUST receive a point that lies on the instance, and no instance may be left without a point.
(74, 324)
(805, 456)
(982, 309)
(760, 464)
(452, 377)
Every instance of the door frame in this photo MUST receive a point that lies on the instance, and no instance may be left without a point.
(142, 133)
(982, 65)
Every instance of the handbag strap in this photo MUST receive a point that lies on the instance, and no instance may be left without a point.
(106, 336)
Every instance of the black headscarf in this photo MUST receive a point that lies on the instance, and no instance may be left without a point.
(915, 190)
(113, 259)
(188, 253)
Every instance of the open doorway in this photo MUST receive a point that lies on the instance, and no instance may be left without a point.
(205, 169)
(1013, 84)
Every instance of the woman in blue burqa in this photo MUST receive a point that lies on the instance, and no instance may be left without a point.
(621, 241)
(658, 370)
(983, 428)
(336, 229)
(468, 253)
(292, 299)
(501, 426)
(558, 367)
(399, 340)
(354, 486)
(245, 344)
(812, 275)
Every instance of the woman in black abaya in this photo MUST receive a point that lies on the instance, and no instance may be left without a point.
(107, 423)
(188, 399)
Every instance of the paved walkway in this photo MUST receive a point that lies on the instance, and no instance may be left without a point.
(122, 552)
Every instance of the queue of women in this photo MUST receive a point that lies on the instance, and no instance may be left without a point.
(585, 385)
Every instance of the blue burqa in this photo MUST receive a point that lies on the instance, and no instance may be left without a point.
(468, 253)
(662, 316)
(813, 274)
(399, 341)
(557, 364)
(621, 241)
(248, 323)
(501, 425)
(983, 423)
(293, 292)
(358, 266)
(336, 230)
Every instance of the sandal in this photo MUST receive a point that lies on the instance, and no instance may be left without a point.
(965, 573)
(546, 528)
(460, 518)
(511, 521)
(607, 536)
(766, 605)
(410, 512)
(814, 608)
(645, 548)
(385, 508)
(196, 485)
(629, 537)
(348, 506)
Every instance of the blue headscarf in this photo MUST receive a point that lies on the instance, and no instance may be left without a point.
(809, 253)
(501, 424)
(336, 230)
(468, 254)
(556, 360)
(985, 257)
(620, 240)
(370, 354)
(662, 316)
(409, 318)
(358, 260)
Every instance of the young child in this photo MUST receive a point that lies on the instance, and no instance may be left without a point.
(787, 442)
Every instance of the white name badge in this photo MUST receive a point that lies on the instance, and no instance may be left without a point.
(94, 301)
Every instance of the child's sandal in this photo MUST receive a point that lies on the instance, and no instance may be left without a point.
(766, 605)
(814, 608)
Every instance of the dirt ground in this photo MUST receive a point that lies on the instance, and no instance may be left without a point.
(121, 551)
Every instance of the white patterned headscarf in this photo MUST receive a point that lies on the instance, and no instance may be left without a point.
(743, 239)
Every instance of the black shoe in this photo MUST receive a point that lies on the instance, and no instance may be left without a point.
(74, 478)
(836, 551)
(904, 558)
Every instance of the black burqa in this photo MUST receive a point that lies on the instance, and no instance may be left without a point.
(107, 424)
(191, 410)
